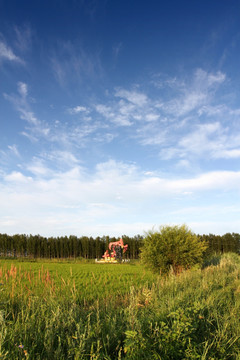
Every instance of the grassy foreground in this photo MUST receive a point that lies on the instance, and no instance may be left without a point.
(88, 311)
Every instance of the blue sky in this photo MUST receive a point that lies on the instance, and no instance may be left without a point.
(119, 116)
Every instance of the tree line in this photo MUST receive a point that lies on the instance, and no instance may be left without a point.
(36, 246)
(229, 242)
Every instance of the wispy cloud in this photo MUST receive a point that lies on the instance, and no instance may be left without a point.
(187, 128)
(23, 89)
(210, 140)
(7, 155)
(20, 101)
(14, 150)
(185, 123)
(113, 114)
(117, 49)
(65, 135)
(134, 97)
(205, 138)
(152, 134)
(71, 63)
(132, 106)
(7, 54)
(23, 37)
(194, 94)
(60, 156)
(51, 163)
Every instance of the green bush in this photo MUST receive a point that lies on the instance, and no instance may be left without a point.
(172, 247)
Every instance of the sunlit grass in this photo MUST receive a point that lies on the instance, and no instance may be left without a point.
(88, 311)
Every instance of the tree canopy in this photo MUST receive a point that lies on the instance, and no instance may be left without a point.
(175, 247)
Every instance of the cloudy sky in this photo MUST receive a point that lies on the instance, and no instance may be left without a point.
(119, 116)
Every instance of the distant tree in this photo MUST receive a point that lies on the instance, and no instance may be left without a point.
(221, 244)
(174, 247)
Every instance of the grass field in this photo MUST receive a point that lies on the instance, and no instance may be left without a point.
(89, 282)
(69, 310)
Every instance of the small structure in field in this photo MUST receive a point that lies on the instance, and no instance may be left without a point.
(114, 253)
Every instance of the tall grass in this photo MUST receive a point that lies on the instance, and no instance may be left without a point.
(74, 311)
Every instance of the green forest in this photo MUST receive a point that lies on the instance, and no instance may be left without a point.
(36, 246)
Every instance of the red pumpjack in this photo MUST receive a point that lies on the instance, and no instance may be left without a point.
(117, 249)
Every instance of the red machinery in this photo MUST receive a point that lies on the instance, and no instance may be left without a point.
(117, 249)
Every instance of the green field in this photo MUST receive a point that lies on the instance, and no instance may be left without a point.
(88, 282)
(69, 310)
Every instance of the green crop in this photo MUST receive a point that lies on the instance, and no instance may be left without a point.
(67, 310)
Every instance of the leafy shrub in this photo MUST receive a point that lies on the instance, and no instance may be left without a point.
(174, 247)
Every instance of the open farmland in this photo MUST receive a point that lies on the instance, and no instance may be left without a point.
(67, 310)
(89, 282)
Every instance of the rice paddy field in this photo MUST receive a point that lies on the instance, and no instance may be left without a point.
(70, 310)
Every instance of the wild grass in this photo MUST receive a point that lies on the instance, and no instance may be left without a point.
(88, 311)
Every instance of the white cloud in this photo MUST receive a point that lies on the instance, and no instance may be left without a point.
(184, 164)
(194, 94)
(204, 80)
(125, 108)
(205, 141)
(182, 106)
(6, 53)
(114, 191)
(63, 157)
(105, 138)
(105, 110)
(198, 141)
(120, 118)
(9, 156)
(210, 110)
(234, 112)
(157, 138)
(152, 117)
(174, 123)
(29, 136)
(38, 168)
(29, 116)
(36, 127)
(22, 89)
(17, 177)
(176, 128)
(217, 78)
(227, 154)
(14, 150)
(133, 108)
(78, 109)
(215, 180)
(134, 97)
